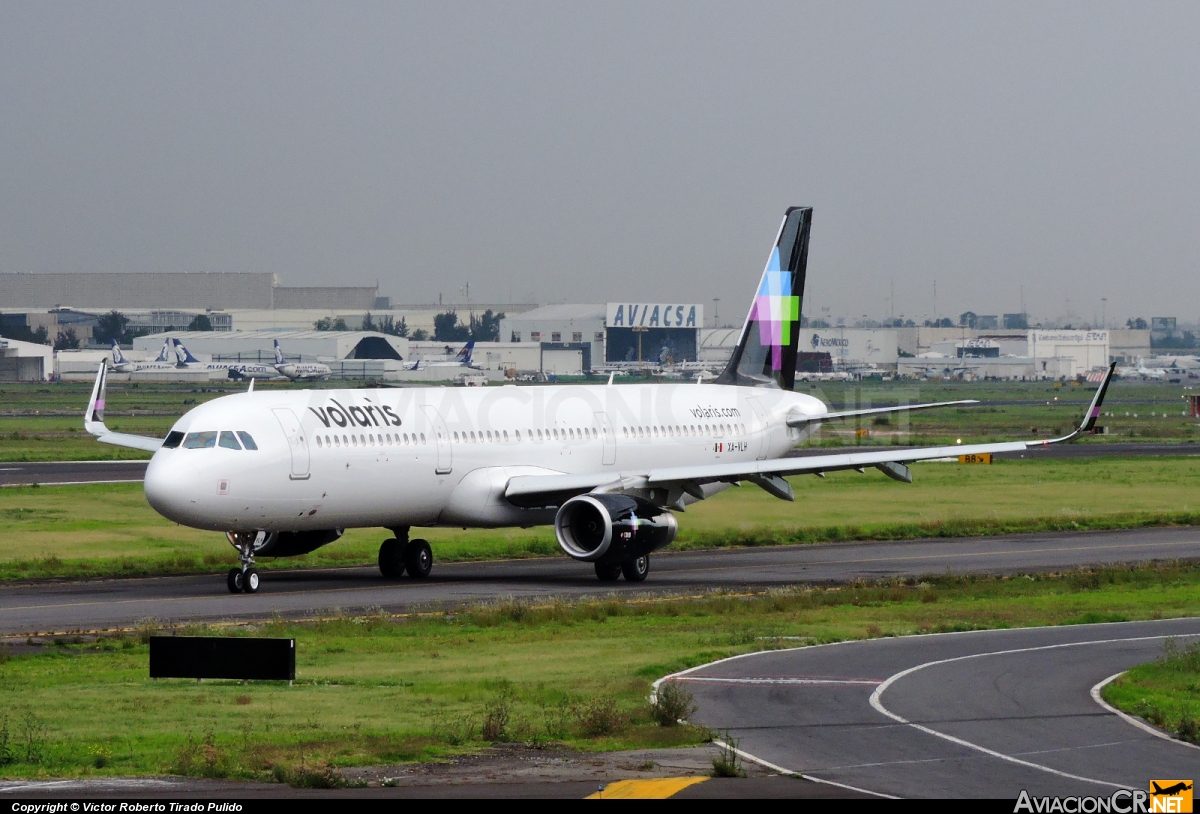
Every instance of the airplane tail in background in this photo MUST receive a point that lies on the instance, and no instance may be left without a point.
(464, 355)
(118, 357)
(164, 353)
(279, 360)
(766, 351)
(184, 355)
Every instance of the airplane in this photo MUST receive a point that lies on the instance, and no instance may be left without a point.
(462, 359)
(1171, 790)
(235, 370)
(282, 473)
(300, 370)
(161, 362)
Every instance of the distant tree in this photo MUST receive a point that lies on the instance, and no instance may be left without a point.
(111, 327)
(944, 322)
(200, 322)
(446, 328)
(420, 335)
(368, 324)
(1137, 324)
(968, 319)
(487, 327)
(388, 325)
(819, 323)
(330, 324)
(66, 340)
(21, 333)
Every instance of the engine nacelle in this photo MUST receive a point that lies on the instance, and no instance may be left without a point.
(610, 526)
(283, 543)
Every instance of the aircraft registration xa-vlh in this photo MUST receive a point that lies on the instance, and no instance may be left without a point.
(285, 472)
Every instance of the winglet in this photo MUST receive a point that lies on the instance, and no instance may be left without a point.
(1089, 420)
(1093, 411)
(93, 417)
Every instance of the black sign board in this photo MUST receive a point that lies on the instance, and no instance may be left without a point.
(221, 657)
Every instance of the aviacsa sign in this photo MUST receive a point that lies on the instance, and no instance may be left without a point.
(654, 315)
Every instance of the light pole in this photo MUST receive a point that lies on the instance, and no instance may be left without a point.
(1104, 312)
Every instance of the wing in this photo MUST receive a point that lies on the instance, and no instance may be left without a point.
(802, 420)
(93, 420)
(676, 482)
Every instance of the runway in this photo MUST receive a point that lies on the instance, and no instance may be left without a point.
(74, 472)
(56, 607)
(64, 473)
(981, 714)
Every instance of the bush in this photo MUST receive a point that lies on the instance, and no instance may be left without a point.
(672, 704)
(1188, 730)
(496, 716)
(728, 762)
(321, 776)
(599, 716)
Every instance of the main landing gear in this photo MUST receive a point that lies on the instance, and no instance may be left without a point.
(635, 569)
(244, 579)
(400, 555)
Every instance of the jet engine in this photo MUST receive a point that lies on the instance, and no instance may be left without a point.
(612, 527)
(283, 543)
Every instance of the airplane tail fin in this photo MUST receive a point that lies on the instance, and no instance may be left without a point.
(766, 351)
(117, 357)
(279, 360)
(464, 355)
(185, 355)
(164, 353)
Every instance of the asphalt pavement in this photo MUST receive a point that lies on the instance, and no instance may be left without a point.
(32, 607)
(64, 473)
(980, 714)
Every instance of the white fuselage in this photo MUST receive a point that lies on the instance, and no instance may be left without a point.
(442, 455)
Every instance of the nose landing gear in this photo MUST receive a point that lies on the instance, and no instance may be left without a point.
(244, 579)
(400, 555)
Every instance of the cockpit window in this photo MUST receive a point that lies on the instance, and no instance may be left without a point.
(172, 440)
(229, 440)
(200, 440)
(247, 441)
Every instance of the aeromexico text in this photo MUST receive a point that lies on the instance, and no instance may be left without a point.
(354, 416)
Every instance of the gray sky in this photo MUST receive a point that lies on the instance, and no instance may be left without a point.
(607, 151)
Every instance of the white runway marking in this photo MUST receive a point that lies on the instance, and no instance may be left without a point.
(882, 688)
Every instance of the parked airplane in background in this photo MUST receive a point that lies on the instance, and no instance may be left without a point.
(285, 472)
(163, 361)
(300, 370)
(462, 359)
(235, 370)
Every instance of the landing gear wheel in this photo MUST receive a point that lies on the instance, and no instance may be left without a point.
(636, 569)
(608, 571)
(391, 559)
(234, 580)
(418, 559)
(250, 581)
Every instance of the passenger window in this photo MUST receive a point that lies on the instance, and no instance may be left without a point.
(200, 440)
(247, 441)
(506, 435)
(362, 439)
(229, 441)
(422, 438)
(172, 440)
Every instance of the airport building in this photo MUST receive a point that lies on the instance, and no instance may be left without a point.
(25, 361)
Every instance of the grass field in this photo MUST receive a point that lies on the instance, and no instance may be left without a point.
(110, 529)
(43, 422)
(1165, 692)
(382, 689)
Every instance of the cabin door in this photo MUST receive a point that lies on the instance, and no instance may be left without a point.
(297, 442)
(445, 459)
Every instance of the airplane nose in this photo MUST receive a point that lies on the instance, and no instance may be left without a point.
(170, 487)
